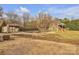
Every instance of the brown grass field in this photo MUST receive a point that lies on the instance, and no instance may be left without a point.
(46, 43)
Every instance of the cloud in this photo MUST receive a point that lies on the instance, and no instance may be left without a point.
(22, 9)
(69, 12)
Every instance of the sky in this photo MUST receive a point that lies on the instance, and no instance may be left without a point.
(56, 10)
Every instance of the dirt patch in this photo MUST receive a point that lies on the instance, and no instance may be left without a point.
(28, 46)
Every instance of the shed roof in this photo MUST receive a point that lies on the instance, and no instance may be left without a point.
(13, 25)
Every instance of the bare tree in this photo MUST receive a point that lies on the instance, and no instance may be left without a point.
(44, 20)
(26, 18)
(12, 17)
(1, 13)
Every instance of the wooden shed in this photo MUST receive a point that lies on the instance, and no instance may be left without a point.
(11, 28)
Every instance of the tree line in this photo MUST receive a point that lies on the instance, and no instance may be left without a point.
(71, 24)
(41, 21)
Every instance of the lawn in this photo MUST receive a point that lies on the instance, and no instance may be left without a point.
(42, 43)
(71, 37)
